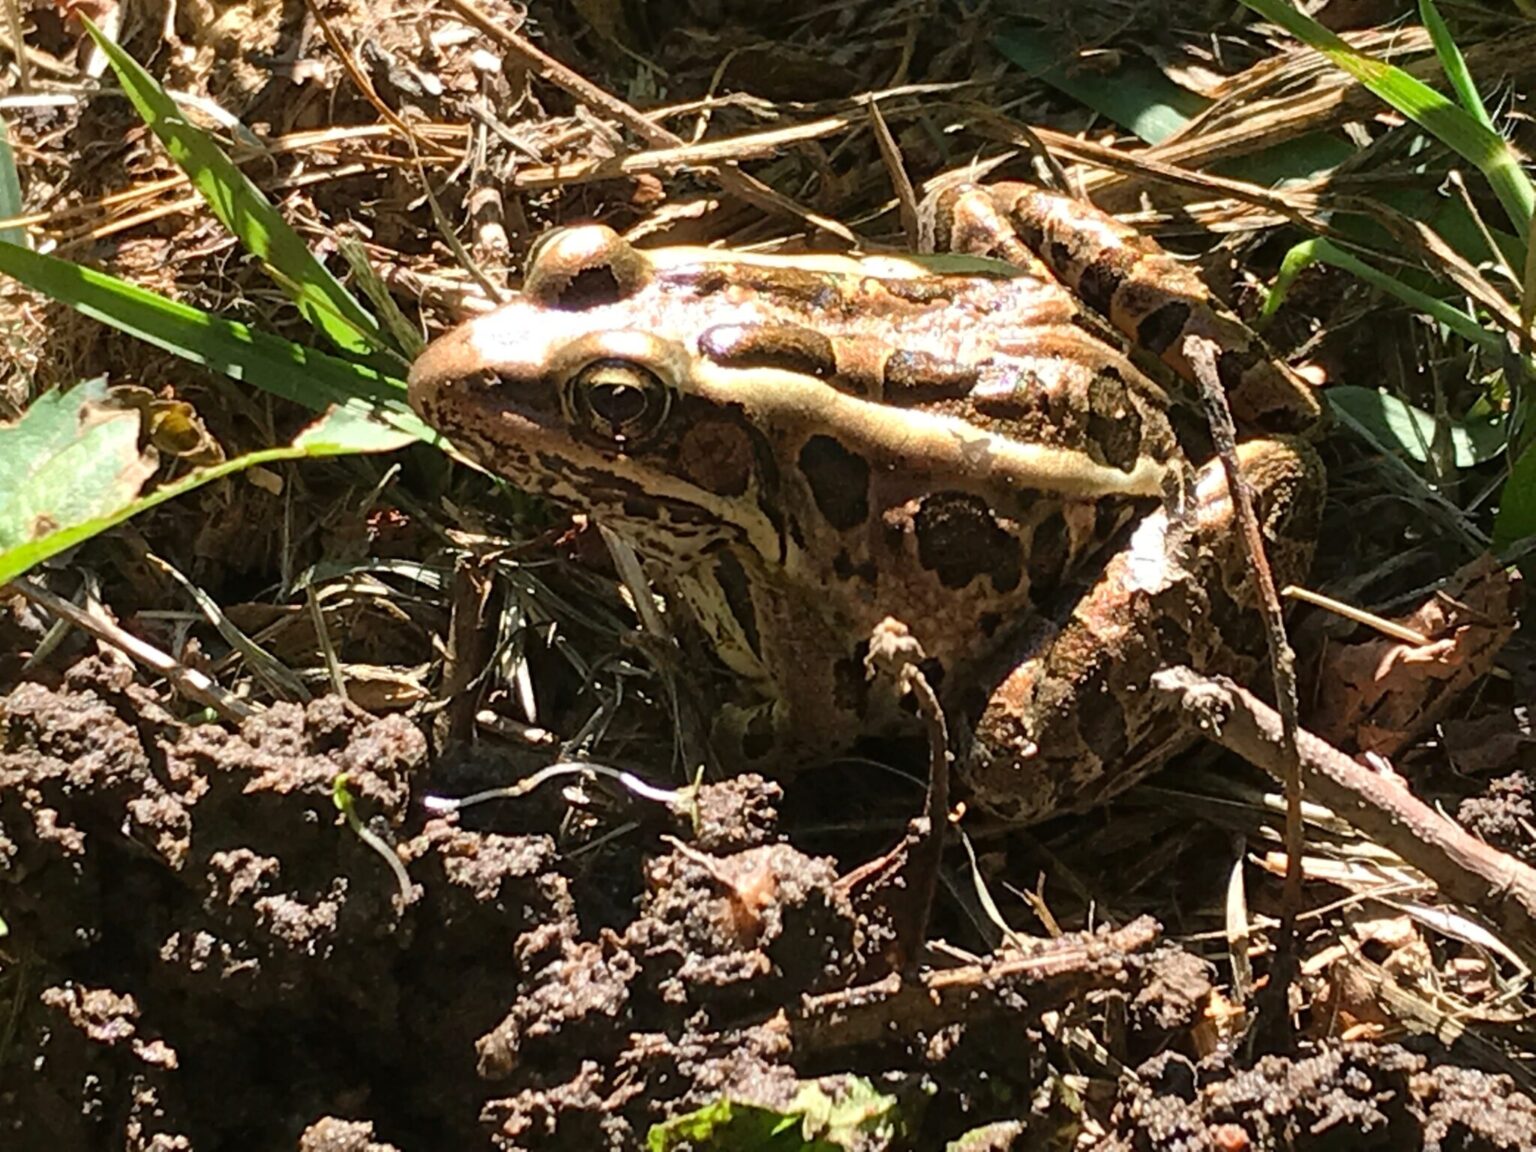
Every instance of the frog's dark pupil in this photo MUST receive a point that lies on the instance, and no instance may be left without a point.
(618, 404)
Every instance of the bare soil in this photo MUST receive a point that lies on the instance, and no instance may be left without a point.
(203, 958)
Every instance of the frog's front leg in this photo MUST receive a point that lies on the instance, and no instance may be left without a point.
(1065, 719)
(1126, 279)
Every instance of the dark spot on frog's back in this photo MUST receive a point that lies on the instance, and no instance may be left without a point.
(641, 508)
(1159, 329)
(1058, 255)
(786, 346)
(839, 481)
(1233, 364)
(1097, 282)
(922, 374)
(790, 286)
(1047, 556)
(1027, 226)
(959, 539)
(1114, 424)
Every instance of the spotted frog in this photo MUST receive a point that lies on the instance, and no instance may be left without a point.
(993, 449)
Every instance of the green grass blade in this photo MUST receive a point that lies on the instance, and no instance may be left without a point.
(1454, 64)
(242, 208)
(1528, 289)
(405, 335)
(1457, 129)
(279, 366)
(1320, 251)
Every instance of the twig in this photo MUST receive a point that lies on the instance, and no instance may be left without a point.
(1388, 628)
(895, 653)
(471, 638)
(909, 872)
(1056, 972)
(1466, 870)
(364, 85)
(890, 153)
(1201, 353)
(18, 46)
(671, 157)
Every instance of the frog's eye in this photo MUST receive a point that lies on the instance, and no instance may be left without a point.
(618, 401)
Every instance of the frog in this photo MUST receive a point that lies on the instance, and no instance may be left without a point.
(998, 448)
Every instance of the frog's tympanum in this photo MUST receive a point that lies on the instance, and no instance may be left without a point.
(804, 446)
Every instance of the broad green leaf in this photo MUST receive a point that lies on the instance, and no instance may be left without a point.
(1134, 95)
(242, 208)
(1395, 424)
(1516, 518)
(814, 1121)
(279, 366)
(71, 457)
(10, 189)
(347, 431)
(338, 433)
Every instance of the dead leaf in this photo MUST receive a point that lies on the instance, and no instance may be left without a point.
(1383, 693)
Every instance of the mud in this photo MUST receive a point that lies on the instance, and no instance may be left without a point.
(203, 955)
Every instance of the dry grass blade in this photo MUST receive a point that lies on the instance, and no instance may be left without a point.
(749, 188)
(1453, 126)
(188, 681)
